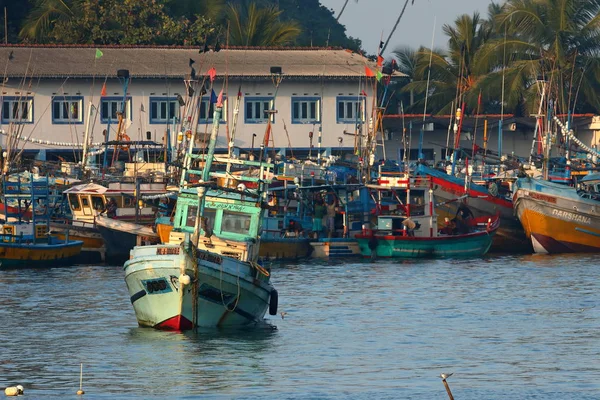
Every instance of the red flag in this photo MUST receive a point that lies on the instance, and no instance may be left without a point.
(212, 73)
(379, 61)
(103, 91)
(369, 72)
(363, 93)
(479, 99)
(220, 99)
(267, 135)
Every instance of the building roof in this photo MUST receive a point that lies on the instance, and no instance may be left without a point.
(173, 62)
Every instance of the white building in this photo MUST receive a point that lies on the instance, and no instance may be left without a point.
(47, 89)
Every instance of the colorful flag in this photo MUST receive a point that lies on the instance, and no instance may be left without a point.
(387, 80)
(103, 91)
(220, 99)
(267, 136)
(369, 72)
(213, 97)
(212, 73)
(98, 54)
(379, 75)
(380, 61)
(363, 93)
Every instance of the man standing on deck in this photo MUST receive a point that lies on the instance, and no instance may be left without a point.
(319, 213)
(331, 217)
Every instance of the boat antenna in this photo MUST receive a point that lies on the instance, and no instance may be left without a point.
(502, 98)
(421, 134)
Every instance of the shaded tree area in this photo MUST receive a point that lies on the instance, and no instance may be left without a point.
(504, 62)
(176, 22)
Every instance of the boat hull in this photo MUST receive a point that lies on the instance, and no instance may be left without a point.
(58, 253)
(120, 237)
(284, 248)
(510, 234)
(222, 292)
(469, 245)
(93, 249)
(556, 220)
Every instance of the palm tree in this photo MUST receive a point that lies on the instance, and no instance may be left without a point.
(253, 26)
(387, 41)
(558, 40)
(453, 75)
(44, 15)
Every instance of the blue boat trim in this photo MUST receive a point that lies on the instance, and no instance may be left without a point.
(586, 231)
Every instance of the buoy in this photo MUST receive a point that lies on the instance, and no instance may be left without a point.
(80, 392)
(184, 279)
(20, 389)
(273, 302)
(11, 391)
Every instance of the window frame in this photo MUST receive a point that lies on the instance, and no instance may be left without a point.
(258, 99)
(128, 108)
(168, 100)
(13, 99)
(62, 121)
(354, 99)
(306, 99)
(209, 118)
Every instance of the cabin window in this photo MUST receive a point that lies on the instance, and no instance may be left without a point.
(350, 109)
(207, 109)
(306, 110)
(98, 203)
(235, 222)
(74, 202)
(17, 110)
(67, 109)
(128, 201)
(110, 106)
(190, 219)
(85, 203)
(255, 110)
(164, 110)
(210, 214)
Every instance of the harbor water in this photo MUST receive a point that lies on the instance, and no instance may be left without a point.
(507, 327)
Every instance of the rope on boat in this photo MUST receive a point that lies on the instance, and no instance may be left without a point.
(46, 142)
(571, 136)
(159, 196)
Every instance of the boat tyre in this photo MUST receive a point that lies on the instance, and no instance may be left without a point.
(273, 302)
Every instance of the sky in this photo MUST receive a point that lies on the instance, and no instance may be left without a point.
(367, 19)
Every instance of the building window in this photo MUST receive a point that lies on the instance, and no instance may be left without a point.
(207, 110)
(110, 106)
(67, 110)
(17, 109)
(350, 109)
(255, 110)
(163, 110)
(306, 110)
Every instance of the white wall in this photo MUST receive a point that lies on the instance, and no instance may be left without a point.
(43, 128)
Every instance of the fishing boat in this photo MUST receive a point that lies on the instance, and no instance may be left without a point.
(87, 201)
(208, 274)
(494, 197)
(409, 229)
(559, 218)
(25, 239)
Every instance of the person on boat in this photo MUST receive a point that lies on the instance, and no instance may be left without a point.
(331, 212)
(294, 228)
(272, 204)
(409, 226)
(463, 215)
(163, 207)
(111, 208)
(449, 227)
(318, 214)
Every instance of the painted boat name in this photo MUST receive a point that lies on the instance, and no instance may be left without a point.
(572, 217)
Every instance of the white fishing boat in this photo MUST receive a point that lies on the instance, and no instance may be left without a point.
(208, 274)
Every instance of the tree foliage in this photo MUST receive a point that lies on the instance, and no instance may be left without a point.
(254, 26)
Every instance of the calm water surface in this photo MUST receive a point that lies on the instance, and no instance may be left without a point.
(518, 327)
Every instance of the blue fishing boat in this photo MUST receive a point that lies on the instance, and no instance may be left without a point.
(409, 228)
(25, 240)
(208, 274)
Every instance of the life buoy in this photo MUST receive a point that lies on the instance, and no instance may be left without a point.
(273, 302)
(493, 189)
(125, 138)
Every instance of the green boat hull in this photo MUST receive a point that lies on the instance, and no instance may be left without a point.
(469, 245)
